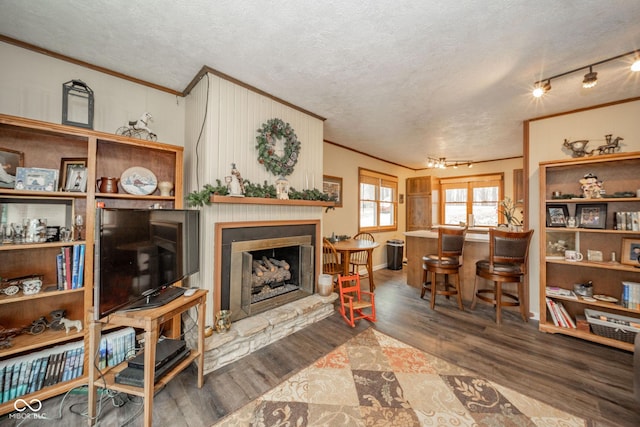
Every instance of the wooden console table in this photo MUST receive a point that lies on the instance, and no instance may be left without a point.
(150, 321)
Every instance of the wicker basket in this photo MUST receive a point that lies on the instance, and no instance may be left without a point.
(623, 331)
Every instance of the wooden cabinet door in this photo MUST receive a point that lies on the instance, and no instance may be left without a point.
(418, 212)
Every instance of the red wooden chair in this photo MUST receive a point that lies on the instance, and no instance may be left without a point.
(352, 303)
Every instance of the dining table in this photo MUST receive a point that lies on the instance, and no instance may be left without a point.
(349, 246)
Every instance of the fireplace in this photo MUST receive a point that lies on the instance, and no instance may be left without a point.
(264, 265)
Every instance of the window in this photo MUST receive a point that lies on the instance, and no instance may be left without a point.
(378, 196)
(478, 195)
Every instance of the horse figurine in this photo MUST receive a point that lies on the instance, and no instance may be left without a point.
(68, 324)
(610, 146)
(139, 128)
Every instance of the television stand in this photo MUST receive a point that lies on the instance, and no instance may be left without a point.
(150, 321)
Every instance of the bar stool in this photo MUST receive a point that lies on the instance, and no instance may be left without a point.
(507, 263)
(448, 262)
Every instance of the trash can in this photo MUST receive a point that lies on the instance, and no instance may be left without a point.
(394, 254)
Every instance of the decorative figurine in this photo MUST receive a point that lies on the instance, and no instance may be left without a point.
(68, 324)
(235, 183)
(282, 188)
(139, 128)
(591, 187)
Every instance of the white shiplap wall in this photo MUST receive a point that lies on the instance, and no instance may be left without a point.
(234, 113)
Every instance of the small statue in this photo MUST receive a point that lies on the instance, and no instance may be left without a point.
(234, 182)
(282, 189)
(68, 324)
(591, 187)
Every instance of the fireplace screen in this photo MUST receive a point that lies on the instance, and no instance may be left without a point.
(267, 273)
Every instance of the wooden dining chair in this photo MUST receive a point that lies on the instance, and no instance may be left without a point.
(447, 262)
(331, 264)
(361, 258)
(507, 263)
(355, 303)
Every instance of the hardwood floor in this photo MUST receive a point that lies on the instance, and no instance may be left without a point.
(583, 378)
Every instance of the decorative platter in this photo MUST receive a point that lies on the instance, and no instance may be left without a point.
(605, 298)
(139, 181)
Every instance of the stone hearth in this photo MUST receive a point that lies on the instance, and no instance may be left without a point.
(252, 333)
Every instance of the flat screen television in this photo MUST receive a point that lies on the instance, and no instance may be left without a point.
(140, 253)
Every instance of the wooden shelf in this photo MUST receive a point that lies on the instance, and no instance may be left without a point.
(264, 201)
(126, 196)
(547, 327)
(46, 292)
(602, 200)
(591, 230)
(28, 342)
(594, 264)
(43, 393)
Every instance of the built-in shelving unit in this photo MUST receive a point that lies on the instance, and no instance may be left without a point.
(46, 145)
(619, 173)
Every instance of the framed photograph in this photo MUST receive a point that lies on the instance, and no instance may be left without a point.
(630, 251)
(557, 215)
(69, 165)
(10, 160)
(332, 186)
(560, 241)
(53, 233)
(592, 215)
(76, 179)
(36, 179)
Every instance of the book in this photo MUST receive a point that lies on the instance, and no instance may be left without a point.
(81, 266)
(552, 312)
(60, 272)
(75, 263)
(67, 266)
(568, 319)
(33, 378)
(8, 370)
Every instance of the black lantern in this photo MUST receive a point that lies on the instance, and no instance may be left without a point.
(77, 104)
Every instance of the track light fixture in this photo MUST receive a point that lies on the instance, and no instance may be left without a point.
(590, 79)
(443, 163)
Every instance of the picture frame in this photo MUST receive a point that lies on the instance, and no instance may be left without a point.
(560, 241)
(332, 186)
(10, 161)
(557, 215)
(630, 251)
(36, 179)
(591, 215)
(67, 164)
(76, 179)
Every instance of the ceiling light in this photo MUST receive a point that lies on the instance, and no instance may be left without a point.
(443, 163)
(590, 79)
(541, 88)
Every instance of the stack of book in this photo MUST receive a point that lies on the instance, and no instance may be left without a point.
(30, 373)
(627, 221)
(559, 314)
(116, 347)
(70, 267)
(631, 295)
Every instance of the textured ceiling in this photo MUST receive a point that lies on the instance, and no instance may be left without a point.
(400, 80)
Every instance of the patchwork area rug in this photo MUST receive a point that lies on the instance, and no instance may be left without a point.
(375, 380)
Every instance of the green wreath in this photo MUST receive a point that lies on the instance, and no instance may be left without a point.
(270, 132)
